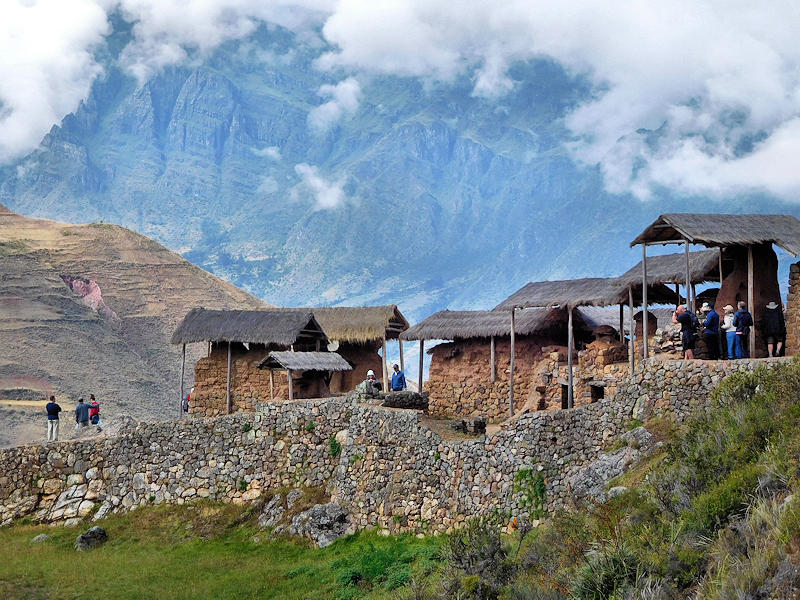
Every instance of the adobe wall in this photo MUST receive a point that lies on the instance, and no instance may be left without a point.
(393, 472)
(793, 311)
(362, 357)
(459, 380)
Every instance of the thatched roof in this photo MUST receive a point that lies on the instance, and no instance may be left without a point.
(358, 324)
(597, 316)
(465, 324)
(591, 291)
(281, 327)
(671, 268)
(305, 361)
(725, 230)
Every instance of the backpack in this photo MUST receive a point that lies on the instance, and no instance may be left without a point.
(695, 322)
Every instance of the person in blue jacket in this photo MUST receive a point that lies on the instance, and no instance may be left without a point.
(82, 414)
(398, 380)
(711, 331)
(743, 321)
(52, 409)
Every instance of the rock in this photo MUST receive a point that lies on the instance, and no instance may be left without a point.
(104, 509)
(341, 437)
(617, 490)
(406, 399)
(119, 425)
(293, 497)
(322, 523)
(72, 522)
(590, 482)
(638, 438)
(272, 512)
(42, 537)
(96, 536)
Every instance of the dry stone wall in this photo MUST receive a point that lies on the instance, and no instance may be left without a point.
(393, 472)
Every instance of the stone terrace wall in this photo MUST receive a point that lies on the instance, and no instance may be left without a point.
(393, 472)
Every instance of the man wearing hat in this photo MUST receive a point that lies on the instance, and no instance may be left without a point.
(711, 332)
(774, 328)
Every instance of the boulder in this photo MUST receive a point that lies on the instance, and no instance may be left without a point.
(42, 537)
(272, 512)
(322, 524)
(96, 536)
(638, 438)
(590, 482)
(406, 399)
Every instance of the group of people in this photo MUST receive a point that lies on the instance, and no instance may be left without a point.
(729, 336)
(85, 413)
(372, 386)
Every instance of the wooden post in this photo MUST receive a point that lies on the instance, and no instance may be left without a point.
(228, 386)
(645, 352)
(421, 363)
(678, 294)
(632, 325)
(491, 358)
(183, 366)
(689, 296)
(751, 301)
(289, 375)
(402, 358)
(511, 363)
(621, 322)
(570, 346)
(271, 384)
(694, 296)
(384, 368)
(720, 273)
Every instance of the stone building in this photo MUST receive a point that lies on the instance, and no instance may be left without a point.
(229, 379)
(744, 244)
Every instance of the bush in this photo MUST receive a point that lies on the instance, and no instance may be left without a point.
(605, 575)
(334, 447)
(712, 509)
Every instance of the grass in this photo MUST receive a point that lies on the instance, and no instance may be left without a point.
(205, 550)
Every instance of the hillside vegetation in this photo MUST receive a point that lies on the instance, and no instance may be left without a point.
(713, 514)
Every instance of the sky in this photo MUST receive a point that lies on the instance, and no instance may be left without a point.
(693, 97)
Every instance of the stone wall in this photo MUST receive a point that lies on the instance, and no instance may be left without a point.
(393, 472)
(459, 381)
(793, 311)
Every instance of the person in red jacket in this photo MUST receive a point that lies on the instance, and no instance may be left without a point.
(94, 410)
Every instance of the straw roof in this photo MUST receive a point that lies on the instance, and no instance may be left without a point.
(305, 361)
(361, 323)
(281, 327)
(671, 268)
(465, 324)
(724, 230)
(590, 291)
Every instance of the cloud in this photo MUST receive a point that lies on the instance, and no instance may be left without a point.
(271, 152)
(344, 98)
(46, 66)
(268, 185)
(327, 194)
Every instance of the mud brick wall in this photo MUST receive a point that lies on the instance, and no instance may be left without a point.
(793, 311)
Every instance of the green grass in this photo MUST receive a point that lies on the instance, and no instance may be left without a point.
(206, 550)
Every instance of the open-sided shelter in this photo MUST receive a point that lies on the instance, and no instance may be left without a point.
(313, 365)
(228, 378)
(572, 293)
(746, 241)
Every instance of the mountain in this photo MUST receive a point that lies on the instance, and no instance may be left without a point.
(90, 309)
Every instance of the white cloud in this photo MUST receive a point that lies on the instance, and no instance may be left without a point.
(268, 185)
(327, 194)
(271, 152)
(344, 98)
(46, 66)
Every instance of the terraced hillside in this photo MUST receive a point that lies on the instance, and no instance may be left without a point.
(90, 309)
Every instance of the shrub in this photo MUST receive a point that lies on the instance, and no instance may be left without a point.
(310, 426)
(604, 575)
(334, 447)
(714, 508)
(246, 427)
(242, 485)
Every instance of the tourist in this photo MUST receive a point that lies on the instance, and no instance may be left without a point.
(743, 321)
(688, 330)
(372, 386)
(81, 415)
(730, 331)
(52, 419)
(398, 379)
(94, 411)
(774, 328)
(711, 331)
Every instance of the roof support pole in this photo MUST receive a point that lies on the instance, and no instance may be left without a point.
(621, 321)
(689, 289)
(645, 352)
(491, 358)
(402, 358)
(511, 363)
(228, 386)
(183, 366)
(291, 392)
(383, 364)
(421, 363)
(570, 347)
(271, 384)
(678, 294)
(632, 326)
(751, 300)
(720, 269)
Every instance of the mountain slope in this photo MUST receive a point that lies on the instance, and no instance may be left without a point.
(90, 309)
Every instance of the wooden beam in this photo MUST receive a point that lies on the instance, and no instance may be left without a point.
(421, 362)
(511, 364)
(272, 384)
(632, 326)
(678, 294)
(228, 386)
(384, 367)
(645, 352)
(720, 273)
(183, 366)
(689, 300)
(491, 358)
(621, 322)
(289, 375)
(402, 358)
(694, 297)
(751, 300)
(570, 348)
